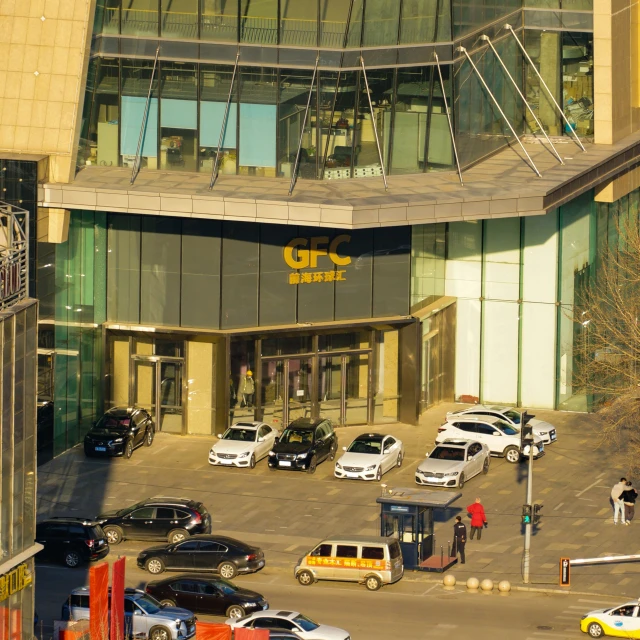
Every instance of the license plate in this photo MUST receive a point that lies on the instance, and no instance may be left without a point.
(101, 448)
(225, 461)
(434, 479)
(284, 463)
(352, 475)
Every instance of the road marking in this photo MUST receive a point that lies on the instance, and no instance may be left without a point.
(578, 522)
(587, 488)
(556, 508)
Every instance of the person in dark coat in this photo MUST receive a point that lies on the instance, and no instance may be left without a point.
(629, 496)
(459, 538)
(478, 518)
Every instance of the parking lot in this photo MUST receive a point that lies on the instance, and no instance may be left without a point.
(287, 512)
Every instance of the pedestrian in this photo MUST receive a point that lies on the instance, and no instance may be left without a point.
(618, 503)
(247, 389)
(459, 538)
(478, 518)
(629, 496)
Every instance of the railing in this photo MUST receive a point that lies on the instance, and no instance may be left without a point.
(14, 265)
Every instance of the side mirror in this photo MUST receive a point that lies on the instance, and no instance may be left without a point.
(497, 433)
(276, 440)
(260, 439)
(426, 455)
(137, 612)
(220, 435)
(344, 448)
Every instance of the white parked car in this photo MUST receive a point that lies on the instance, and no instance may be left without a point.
(453, 462)
(502, 438)
(369, 456)
(544, 430)
(292, 621)
(243, 444)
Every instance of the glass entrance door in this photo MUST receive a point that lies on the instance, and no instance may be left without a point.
(157, 387)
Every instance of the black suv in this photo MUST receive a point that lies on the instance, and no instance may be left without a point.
(119, 432)
(172, 519)
(304, 444)
(72, 541)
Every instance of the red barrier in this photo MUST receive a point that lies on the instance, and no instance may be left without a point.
(99, 601)
(212, 631)
(117, 599)
(251, 634)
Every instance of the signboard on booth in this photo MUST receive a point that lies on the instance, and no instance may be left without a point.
(565, 572)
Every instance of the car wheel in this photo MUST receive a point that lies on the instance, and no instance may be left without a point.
(235, 611)
(312, 465)
(512, 455)
(461, 481)
(595, 630)
(159, 633)
(305, 578)
(72, 559)
(128, 449)
(177, 535)
(228, 570)
(373, 583)
(148, 438)
(485, 467)
(379, 474)
(154, 566)
(252, 462)
(167, 603)
(399, 460)
(114, 535)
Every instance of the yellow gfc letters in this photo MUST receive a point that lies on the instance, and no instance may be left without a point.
(298, 256)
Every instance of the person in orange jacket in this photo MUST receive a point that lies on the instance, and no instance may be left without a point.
(478, 518)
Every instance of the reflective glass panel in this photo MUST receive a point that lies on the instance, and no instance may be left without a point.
(140, 18)
(219, 20)
(299, 23)
(179, 19)
(381, 23)
(418, 23)
(111, 17)
(333, 22)
(259, 21)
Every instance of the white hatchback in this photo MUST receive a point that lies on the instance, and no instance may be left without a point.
(369, 456)
(292, 621)
(243, 444)
(501, 438)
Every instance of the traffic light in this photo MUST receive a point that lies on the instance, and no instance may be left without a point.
(526, 514)
(537, 508)
(526, 435)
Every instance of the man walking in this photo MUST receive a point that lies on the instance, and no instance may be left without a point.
(478, 518)
(618, 502)
(459, 538)
(629, 496)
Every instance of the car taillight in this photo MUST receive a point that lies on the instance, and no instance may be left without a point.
(147, 590)
(251, 556)
(90, 543)
(197, 519)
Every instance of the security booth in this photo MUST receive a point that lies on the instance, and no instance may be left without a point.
(408, 514)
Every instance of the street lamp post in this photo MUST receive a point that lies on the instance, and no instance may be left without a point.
(528, 439)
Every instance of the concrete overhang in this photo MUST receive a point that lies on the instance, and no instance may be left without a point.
(503, 185)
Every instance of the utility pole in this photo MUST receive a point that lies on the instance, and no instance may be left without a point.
(527, 439)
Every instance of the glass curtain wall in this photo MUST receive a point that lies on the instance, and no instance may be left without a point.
(428, 244)
(139, 17)
(565, 62)
(219, 20)
(179, 19)
(469, 15)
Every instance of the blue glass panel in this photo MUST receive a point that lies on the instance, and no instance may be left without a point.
(211, 116)
(179, 114)
(258, 135)
(132, 113)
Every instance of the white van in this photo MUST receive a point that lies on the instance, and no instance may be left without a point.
(372, 561)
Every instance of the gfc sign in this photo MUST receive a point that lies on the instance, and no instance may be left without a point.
(303, 253)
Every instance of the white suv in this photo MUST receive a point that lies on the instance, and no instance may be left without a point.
(501, 438)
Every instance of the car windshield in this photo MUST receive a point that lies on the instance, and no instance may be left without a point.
(307, 624)
(126, 510)
(514, 416)
(365, 446)
(113, 422)
(240, 435)
(508, 430)
(447, 453)
(226, 587)
(300, 436)
(148, 604)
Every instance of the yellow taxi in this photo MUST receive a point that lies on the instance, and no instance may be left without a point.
(620, 622)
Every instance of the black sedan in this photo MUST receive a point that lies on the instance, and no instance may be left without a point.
(217, 554)
(206, 594)
(119, 432)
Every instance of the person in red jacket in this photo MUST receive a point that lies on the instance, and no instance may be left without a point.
(478, 518)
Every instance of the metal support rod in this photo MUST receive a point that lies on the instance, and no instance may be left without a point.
(223, 128)
(145, 115)
(526, 560)
(515, 135)
(526, 104)
(446, 107)
(373, 122)
(544, 84)
(304, 124)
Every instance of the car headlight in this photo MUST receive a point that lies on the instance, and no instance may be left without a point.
(142, 554)
(301, 455)
(338, 466)
(118, 440)
(272, 453)
(245, 454)
(371, 468)
(213, 453)
(452, 474)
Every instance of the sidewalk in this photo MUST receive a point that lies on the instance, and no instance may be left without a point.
(286, 513)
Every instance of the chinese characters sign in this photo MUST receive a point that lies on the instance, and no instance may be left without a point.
(303, 253)
(16, 580)
(348, 563)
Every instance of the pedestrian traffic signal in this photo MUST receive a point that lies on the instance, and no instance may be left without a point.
(526, 514)
(526, 435)
(536, 513)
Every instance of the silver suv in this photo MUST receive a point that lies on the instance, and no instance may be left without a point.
(145, 617)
